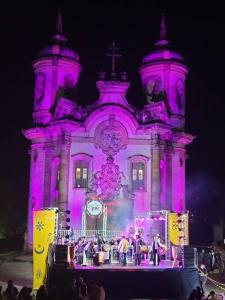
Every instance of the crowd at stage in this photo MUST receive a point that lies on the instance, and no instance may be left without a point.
(132, 250)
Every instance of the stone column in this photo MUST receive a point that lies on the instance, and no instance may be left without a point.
(168, 166)
(178, 180)
(47, 181)
(155, 176)
(64, 174)
(36, 187)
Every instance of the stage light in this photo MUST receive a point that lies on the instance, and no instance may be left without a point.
(68, 212)
(67, 219)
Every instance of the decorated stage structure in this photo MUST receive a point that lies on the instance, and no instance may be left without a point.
(52, 233)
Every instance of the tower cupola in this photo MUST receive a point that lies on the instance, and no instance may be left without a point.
(163, 75)
(57, 70)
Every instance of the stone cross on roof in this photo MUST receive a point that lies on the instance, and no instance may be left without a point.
(114, 55)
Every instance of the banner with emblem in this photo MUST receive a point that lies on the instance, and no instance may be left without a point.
(178, 229)
(43, 235)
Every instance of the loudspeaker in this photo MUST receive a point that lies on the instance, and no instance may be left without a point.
(190, 257)
(61, 255)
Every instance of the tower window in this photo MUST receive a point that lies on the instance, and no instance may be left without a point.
(81, 174)
(138, 174)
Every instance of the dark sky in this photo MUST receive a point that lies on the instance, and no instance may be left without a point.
(196, 30)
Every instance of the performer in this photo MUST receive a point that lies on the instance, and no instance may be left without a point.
(137, 250)
(100, 242)
(155, 249)
(123, 248)
(79, 251)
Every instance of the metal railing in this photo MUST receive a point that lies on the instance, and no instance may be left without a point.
(74, 234)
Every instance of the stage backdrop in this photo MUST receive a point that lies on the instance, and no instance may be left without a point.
(44, 225)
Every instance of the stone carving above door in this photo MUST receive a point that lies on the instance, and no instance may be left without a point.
(111, 136)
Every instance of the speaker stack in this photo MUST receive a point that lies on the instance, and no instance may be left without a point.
(61, 255)
(190, 257)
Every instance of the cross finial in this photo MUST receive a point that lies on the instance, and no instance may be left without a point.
(163, 27)
(163, 35)
(59, 27)
(59, 37)
(113, 48)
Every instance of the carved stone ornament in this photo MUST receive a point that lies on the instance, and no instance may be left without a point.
(111, 137)
(107, 182)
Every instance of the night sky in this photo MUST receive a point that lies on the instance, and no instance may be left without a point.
(197, 32)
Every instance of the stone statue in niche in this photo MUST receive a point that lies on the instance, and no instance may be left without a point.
(155, 91)
(39, 93)
(64, 108)
(180, 97)
(67, 91)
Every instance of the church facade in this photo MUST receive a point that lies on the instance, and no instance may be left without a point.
(107, 162)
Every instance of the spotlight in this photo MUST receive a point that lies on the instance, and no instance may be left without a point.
(68, 212)
(67, 219)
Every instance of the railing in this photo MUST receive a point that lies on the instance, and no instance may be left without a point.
(76, 233)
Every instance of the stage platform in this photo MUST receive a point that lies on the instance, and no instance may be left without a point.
(129, 282)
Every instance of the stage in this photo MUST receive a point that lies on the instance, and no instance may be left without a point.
(140, 282)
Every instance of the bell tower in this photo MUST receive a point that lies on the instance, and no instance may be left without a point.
(56, 70)
(163, 76)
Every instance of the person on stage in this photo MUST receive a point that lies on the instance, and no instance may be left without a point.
(156, 245)
(137, 250)
(123, 248)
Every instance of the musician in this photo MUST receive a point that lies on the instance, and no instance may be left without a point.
(137, 249)
(156, 245)
(90, 252)
(100, 242)
(123, 248)
(107, 248)
(79, 251)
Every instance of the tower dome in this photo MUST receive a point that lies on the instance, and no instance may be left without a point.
(58, 47)
(163, 49)
(57, 70)
(163, 74)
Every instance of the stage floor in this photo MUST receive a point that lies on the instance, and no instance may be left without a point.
(139, 282)
(165, 264)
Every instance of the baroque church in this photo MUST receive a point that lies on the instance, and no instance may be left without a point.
(107, 162)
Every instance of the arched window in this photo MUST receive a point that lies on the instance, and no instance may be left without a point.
(138, 166)
(138, 176)
(81, 174)
(81, 170)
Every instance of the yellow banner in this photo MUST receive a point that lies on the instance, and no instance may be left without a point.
(43, 235)
(178, 229)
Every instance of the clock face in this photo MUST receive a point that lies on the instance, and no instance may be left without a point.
(94, 208)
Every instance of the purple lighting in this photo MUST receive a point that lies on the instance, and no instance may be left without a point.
(130, 160)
